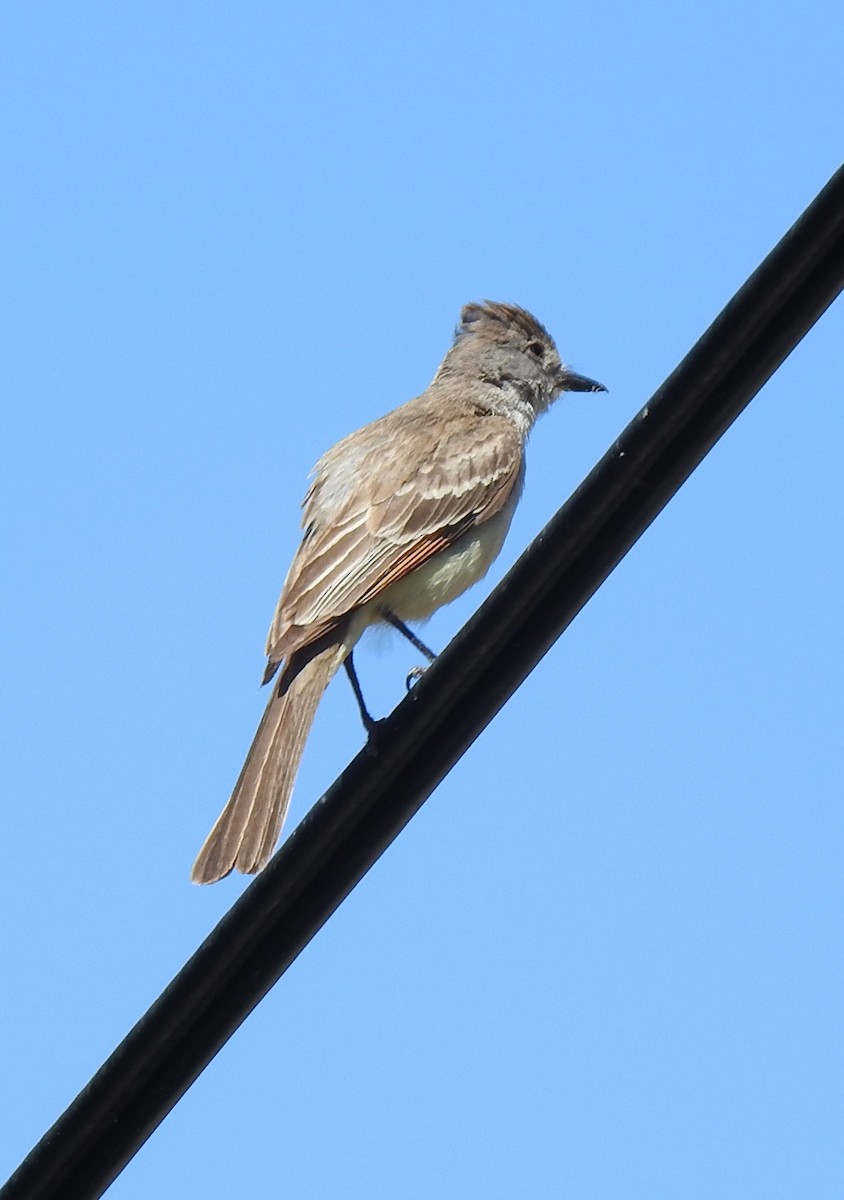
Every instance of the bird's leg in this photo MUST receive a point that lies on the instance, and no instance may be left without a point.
(369, 722)
(392, 619)
(417, 672)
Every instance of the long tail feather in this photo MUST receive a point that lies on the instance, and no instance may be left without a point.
(248, 828)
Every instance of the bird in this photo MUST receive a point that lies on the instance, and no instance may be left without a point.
(400, 518)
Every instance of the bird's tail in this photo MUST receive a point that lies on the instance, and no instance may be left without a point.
(247, 829)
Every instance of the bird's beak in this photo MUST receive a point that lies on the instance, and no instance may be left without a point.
(570, 381)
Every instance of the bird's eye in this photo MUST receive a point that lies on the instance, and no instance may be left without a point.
(535, 348)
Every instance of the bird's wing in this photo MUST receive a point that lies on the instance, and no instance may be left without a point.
(383, 502)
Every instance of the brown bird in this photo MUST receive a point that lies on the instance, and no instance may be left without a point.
(401, 517)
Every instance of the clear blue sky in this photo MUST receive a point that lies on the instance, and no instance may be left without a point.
(605, 961)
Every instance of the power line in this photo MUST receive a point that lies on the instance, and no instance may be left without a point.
(375, 797)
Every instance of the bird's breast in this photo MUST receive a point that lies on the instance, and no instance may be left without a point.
(448, 574)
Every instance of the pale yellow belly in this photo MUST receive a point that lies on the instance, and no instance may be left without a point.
(447, 575)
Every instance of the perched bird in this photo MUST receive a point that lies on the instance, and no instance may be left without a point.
(401, 517)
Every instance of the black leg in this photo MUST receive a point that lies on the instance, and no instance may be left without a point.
(369, 722)
(392, 619)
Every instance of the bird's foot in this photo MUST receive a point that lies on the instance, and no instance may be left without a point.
(413, 676)
(374, 731)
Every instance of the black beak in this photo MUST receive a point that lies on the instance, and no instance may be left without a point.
(572, 382)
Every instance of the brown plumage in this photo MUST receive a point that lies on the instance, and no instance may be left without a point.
(436, 478)
(402, 515)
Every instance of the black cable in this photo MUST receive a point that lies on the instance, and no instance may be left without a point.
(373, 799)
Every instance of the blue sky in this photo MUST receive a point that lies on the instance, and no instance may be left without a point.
(605, 959)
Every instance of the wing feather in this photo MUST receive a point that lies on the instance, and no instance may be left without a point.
(383, 502)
